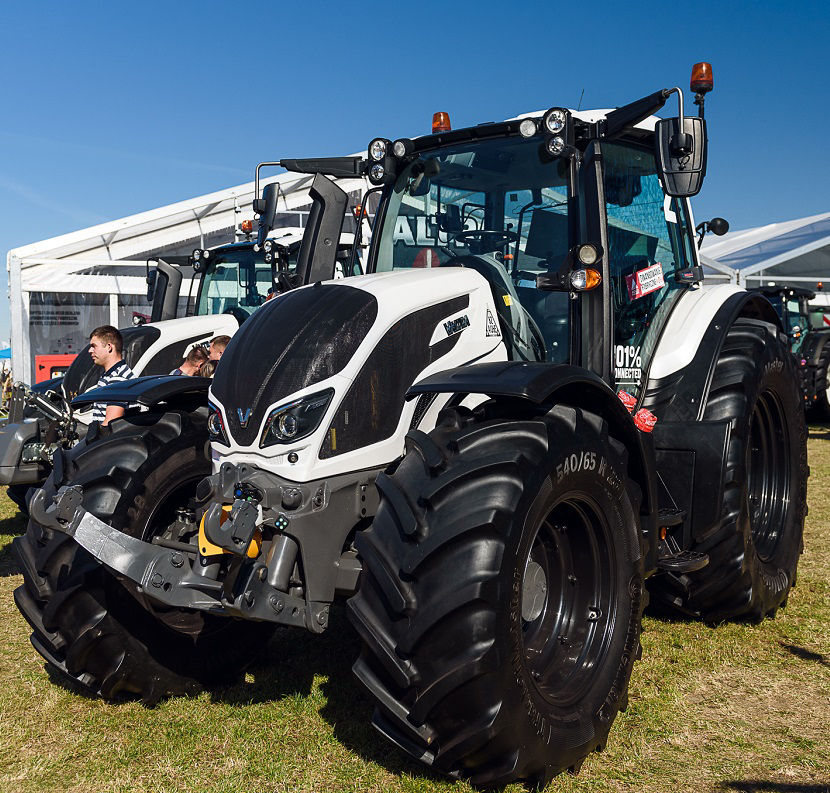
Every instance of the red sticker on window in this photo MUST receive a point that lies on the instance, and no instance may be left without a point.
(644, 282)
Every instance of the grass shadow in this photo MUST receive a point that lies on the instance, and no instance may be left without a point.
(806, 655)
(8, 562)
(14, 524)
(818, 430)
(288, 668)
(764, 786)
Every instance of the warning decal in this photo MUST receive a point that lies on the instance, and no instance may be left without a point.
(645, 281)
(492, 328)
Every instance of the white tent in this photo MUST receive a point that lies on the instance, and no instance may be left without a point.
(61, 288)
(795, 252)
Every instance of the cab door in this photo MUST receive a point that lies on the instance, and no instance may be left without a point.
(649, 239)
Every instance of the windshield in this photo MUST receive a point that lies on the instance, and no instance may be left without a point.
(798, 322)
(498, 207)
(235, 278)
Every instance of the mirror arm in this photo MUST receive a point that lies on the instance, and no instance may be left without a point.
(617, 121)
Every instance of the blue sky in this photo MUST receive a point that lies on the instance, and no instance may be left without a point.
(107, 109)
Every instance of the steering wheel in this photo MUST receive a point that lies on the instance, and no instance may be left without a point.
(486, 240)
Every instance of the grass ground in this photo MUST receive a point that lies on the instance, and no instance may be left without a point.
(734, 708)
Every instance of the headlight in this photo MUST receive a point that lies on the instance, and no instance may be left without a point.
(377, 149)
(268, 246)
(296, 420)
(216, 425)
(376, 172)
(197, 254)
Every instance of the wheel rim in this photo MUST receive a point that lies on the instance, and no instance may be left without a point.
(768, 474)
(568, 600)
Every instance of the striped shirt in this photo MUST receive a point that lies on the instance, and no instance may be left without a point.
(115, 374)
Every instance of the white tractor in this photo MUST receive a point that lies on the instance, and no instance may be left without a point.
(525, 418)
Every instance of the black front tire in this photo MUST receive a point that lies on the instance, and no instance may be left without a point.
(98, 629)
(502, 594)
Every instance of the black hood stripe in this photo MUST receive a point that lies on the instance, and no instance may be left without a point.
(299, 339)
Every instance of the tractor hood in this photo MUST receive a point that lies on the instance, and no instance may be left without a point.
(363, 342)
(293, 342)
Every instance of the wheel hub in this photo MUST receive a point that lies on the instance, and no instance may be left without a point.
(534, 589)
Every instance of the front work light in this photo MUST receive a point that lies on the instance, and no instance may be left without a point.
(555, 120)
(527, 128)
(377, 149)
(555, 145)
(587, 254)
(296, 420)
(402, 147)
(377, 172)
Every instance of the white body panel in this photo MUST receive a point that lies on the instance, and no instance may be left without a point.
(398, 294)
(688, 322)
(181, 335)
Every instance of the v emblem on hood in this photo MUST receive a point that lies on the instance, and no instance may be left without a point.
(243, 417)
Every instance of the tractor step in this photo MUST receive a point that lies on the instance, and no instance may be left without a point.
(682, 561)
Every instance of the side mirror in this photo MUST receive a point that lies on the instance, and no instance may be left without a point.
(166, 289)
(681, 155)
(718, 226)
(151, 283)
(266, 207)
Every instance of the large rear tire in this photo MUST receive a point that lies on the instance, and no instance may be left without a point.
(502, 593)
(755, 546)
(98, 629)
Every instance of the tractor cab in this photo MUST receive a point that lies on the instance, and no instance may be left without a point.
(791, 304)
(584, 251)
(236, 279)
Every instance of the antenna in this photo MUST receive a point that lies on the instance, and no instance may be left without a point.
(580, 100)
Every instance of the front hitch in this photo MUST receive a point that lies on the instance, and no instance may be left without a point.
(167, 575)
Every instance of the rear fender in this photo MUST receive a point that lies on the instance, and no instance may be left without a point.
(677, 389)
(691, 453)
(544, 385)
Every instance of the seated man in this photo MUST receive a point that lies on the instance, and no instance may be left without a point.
(217, 347)
(105, 346)
(193, 362)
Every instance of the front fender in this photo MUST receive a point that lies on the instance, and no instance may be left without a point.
(545, 385)
(149, 391)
